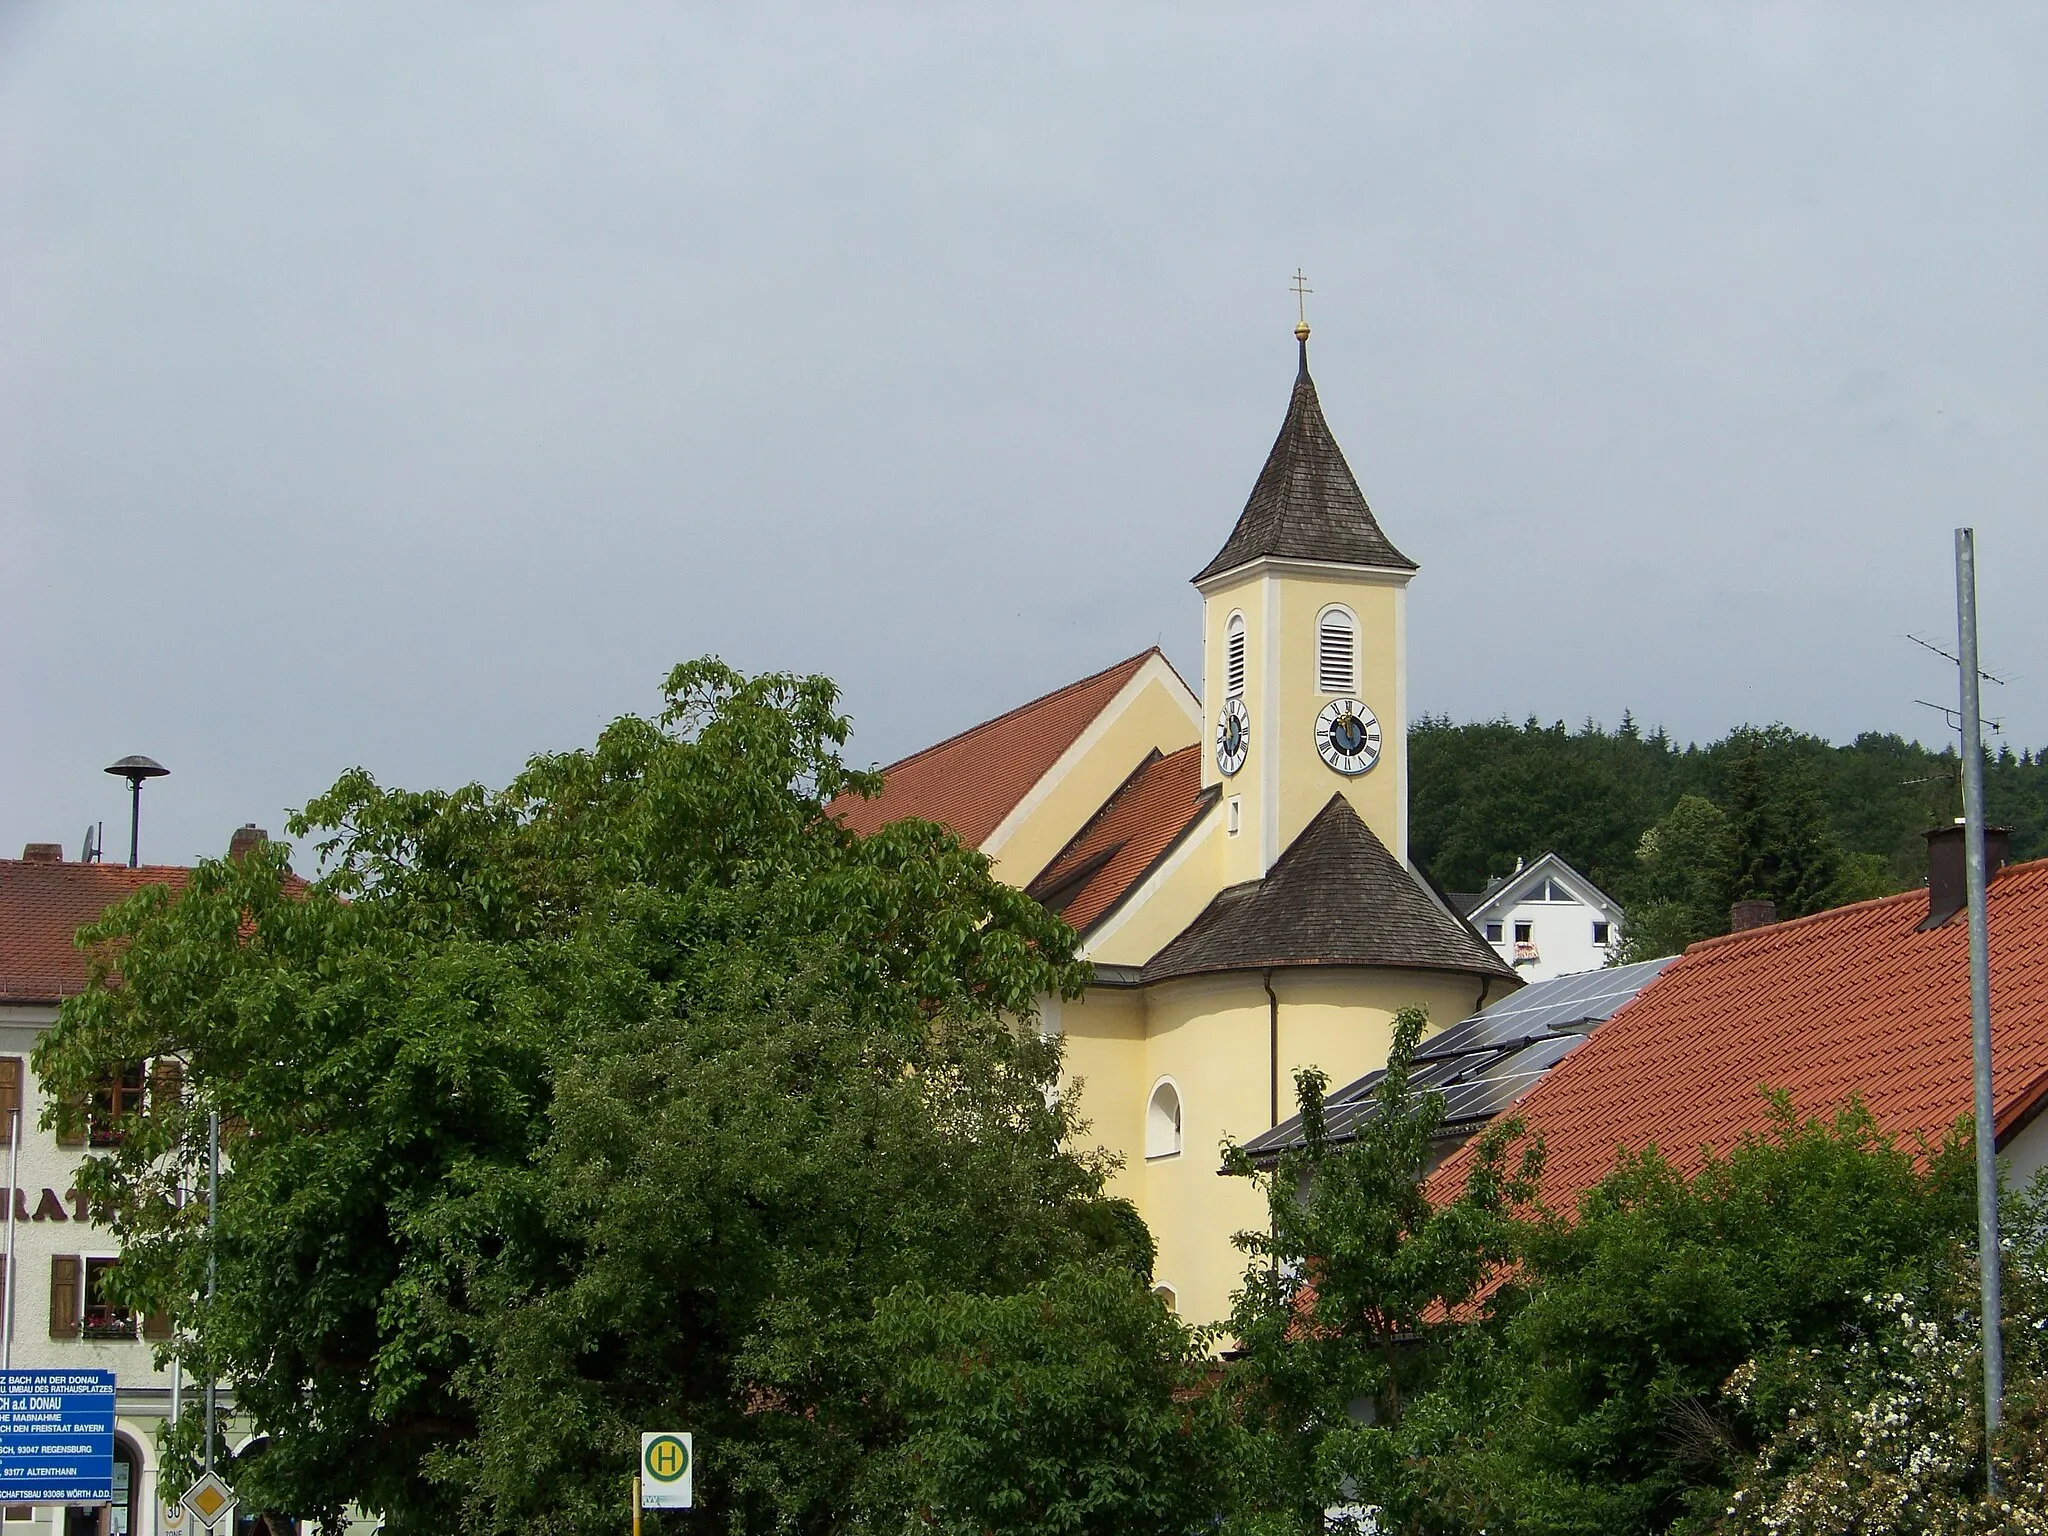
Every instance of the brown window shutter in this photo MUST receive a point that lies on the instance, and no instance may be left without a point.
(64, 1296)
(74, 1134)
(10, 1096)
(166, 1083)
(156, 1325)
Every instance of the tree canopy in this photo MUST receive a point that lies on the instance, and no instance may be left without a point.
(1678, 834)
(620, 1098)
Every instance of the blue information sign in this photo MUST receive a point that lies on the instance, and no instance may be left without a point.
(57, 1437)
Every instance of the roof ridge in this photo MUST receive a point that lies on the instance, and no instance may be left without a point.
(1918, 893)
(110, 869)
(1024, 708)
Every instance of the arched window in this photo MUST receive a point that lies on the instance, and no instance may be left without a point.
(1233, 657)
(1162, 1121)
(1336, 651)
(1166, 1297)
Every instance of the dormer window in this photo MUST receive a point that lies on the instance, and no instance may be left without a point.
(1337, 652)
(1233, 658)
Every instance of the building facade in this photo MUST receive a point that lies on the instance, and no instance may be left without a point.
(1546, 919)
(57, 1313)
(1234, 856)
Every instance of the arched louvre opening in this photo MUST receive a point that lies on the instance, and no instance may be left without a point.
(1336, 652)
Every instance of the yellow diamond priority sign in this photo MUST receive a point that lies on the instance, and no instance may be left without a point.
(209, 1499)
(667, 1462)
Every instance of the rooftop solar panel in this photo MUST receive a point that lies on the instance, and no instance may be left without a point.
(1486, 1062)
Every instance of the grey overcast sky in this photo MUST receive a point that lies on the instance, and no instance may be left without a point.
(411, 384)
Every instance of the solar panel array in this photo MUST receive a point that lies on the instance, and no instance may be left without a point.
(1482, 1065)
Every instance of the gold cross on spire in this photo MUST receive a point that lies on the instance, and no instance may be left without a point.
(1301, 292)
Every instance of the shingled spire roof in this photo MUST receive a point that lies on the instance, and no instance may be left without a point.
(1335, 897)
(1306, 505)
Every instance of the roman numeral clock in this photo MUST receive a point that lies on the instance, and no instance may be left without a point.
(1348, 737)
(1233, 737)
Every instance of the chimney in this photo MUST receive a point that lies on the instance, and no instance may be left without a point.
(1751, 913)
(245, 838)
(1947, 890)
(43, 853)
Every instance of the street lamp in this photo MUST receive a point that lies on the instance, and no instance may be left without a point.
(135, 770)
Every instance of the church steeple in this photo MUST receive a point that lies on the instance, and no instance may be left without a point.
(1306, 504)
(1305, 651)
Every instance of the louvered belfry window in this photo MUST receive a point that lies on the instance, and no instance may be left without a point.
(1233, 658)
(1336, 652)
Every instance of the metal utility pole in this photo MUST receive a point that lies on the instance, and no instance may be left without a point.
(1975, 880)
(13, 1199)
(212, 1263)
(135, 770)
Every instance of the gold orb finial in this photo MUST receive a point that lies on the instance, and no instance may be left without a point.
(1301, 331)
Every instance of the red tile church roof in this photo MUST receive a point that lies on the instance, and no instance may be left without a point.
(1850, 1002)
(1122, 842)
(970, 782)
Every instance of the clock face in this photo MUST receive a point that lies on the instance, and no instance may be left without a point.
(1348, 736)
(1233, 736)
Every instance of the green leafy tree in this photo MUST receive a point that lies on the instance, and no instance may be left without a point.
(1077, 1407)
(1355, 1293)
(1679, 894)
(1487, 793)
(621, 1097)
(1596, 1404)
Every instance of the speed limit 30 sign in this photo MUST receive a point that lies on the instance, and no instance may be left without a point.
(667, 1461)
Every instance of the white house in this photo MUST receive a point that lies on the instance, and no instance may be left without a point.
(1546, 919)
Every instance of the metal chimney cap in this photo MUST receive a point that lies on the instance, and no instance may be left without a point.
(137, 768)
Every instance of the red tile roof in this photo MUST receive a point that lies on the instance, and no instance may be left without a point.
(1847, 1002)
(1121, 843)
(970, 782)
(43, 904)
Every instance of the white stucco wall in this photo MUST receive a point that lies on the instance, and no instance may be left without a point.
(1560, 931)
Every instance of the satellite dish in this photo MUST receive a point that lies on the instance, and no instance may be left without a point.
(90, 854)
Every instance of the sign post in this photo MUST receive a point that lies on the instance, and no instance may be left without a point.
(57, 1437)
(667, 1460)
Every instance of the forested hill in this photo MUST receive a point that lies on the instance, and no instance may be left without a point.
(1677, 833)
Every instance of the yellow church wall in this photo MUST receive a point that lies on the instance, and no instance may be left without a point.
(1284, 781)
(1103, 1051)
(1161, 908)
(1205, 1034)
(1154, 711)
(1208, 1037)
(1245, 857)
(1343, 1020)
(1380, 794)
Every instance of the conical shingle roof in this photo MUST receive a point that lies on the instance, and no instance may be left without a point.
(1335, 897)
(1306, 505)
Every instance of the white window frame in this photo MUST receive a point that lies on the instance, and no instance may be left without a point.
(1325, 675)
(1157, 1135)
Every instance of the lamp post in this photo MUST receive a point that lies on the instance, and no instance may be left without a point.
(135, 770)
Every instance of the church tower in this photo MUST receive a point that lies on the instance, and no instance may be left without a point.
(1304, 669)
